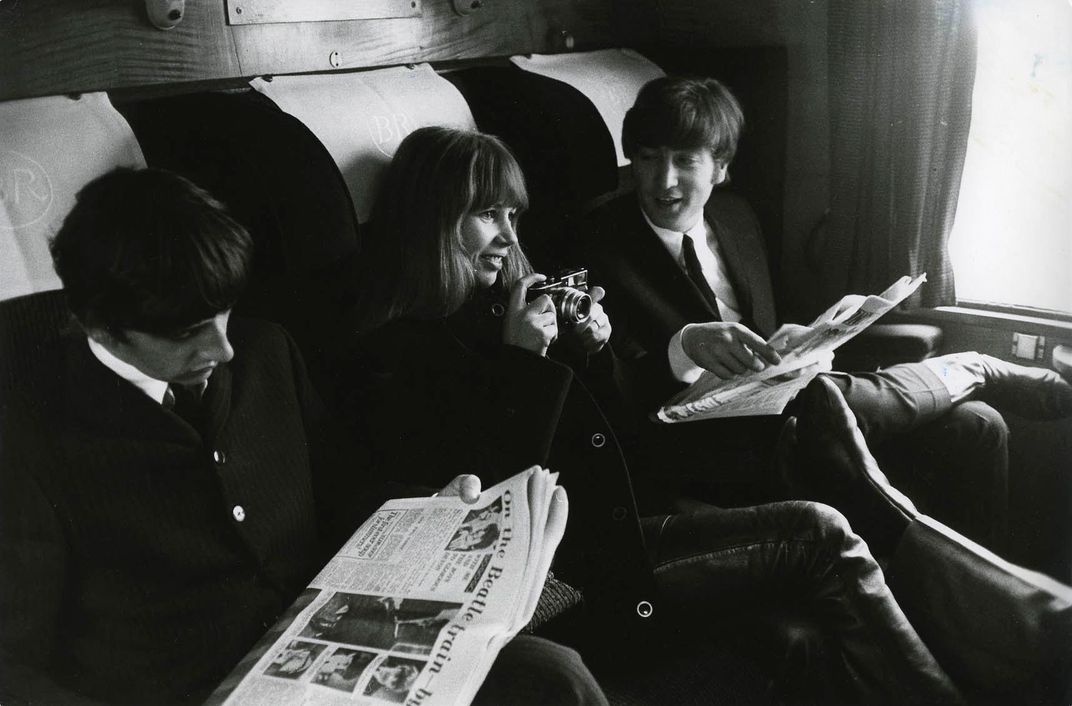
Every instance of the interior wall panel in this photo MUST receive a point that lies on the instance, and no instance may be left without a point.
(68, 46)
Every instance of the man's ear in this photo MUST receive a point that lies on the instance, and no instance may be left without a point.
(722, 172)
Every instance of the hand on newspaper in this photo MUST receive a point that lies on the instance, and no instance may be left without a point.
(594, 333)
(727, 349)
(465, 486)
(788, 336)
(530, 325)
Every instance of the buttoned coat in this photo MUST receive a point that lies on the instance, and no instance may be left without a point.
(141, 558)
(443, 397)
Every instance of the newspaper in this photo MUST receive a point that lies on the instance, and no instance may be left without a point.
(416, 605)
(768, 391)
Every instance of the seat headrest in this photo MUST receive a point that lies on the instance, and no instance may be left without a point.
(610, 78)
(361, 117)
(49, 149)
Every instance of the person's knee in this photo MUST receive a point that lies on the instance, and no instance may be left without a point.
(977, 424)
(532, 670)
(825, 522)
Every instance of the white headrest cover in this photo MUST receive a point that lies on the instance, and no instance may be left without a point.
(49, 149)
(361, 117)
(610, 78)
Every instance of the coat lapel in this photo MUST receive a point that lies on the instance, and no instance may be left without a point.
(664, 275)
(217, 401)
(99, 399)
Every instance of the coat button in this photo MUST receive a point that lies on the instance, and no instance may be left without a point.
(644, 609)
(219, 457)
(618, 513)
(598, 440)
(239, 513)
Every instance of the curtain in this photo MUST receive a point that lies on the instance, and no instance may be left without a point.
(901, 75)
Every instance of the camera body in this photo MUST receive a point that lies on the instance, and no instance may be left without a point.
(569, 291)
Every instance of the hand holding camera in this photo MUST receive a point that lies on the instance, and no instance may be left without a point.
(573, 304)
(530, 324)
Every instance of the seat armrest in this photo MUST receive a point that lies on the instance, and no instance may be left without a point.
(882, 345)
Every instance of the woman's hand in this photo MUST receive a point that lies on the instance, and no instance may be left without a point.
(530, 325)
(465, 486)
(594, 333)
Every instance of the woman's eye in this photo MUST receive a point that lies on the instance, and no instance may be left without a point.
(487, 216)
(512, 215)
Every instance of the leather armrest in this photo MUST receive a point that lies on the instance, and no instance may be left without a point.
(881, 345)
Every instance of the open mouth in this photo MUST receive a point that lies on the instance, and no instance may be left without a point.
(495, 261)
(668, 201)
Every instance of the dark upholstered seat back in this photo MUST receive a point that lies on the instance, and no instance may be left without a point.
(278, 180)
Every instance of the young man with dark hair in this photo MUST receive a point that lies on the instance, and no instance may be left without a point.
(689, 288)
(165, 486)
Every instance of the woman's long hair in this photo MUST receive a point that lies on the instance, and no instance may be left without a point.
(414, 264)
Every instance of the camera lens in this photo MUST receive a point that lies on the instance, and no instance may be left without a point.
(574, 306)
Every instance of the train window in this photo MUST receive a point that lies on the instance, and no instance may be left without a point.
(1010, 242)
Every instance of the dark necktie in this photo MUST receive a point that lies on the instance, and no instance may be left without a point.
(186, 402)
(695, 273)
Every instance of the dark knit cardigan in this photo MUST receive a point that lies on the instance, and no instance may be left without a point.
(140, 559)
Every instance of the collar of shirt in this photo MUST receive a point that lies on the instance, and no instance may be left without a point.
(671, 239)
(155, 389)
(710, 257)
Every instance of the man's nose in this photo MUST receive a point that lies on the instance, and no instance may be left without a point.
(667, 174)
(217, 346)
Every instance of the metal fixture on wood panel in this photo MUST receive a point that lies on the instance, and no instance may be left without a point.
(335, 59)
(464, 7)
(165, 14)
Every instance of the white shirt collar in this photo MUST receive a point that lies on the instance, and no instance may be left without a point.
(672, 238)
(155, 389)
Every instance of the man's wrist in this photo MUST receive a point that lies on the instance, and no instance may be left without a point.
(682, 366)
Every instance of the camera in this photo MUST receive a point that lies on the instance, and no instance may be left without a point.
(569, 292)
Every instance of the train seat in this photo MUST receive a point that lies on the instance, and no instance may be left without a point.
(361, 117)
(280, 182)
(562, 116)
(49, 149)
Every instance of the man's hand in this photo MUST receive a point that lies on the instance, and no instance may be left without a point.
(789, 336)
(594, 333)
(465, 486)
(727, 349)
(530, 325)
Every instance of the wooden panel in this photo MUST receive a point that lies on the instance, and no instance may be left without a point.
(66, 46)
(252, 12)
(500, 27)
(69, 46)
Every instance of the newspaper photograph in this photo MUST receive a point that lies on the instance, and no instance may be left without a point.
(768, 391)
(415, 606)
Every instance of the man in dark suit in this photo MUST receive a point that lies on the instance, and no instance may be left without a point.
(689, 289)
(165, 486)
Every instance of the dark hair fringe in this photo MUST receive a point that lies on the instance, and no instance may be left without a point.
(148, 250)
(684, 113)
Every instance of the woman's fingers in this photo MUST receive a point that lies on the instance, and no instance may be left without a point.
(520, 291)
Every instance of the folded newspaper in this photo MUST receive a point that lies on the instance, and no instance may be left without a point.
(416, 605)
(768, 391)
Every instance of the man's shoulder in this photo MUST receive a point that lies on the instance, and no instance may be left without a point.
(256, 332)
(731, 210)
(622, 208)
(608, 226)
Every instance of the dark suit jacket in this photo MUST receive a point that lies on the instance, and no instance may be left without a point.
(444, 397)
(125, 574)
(650, 298)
